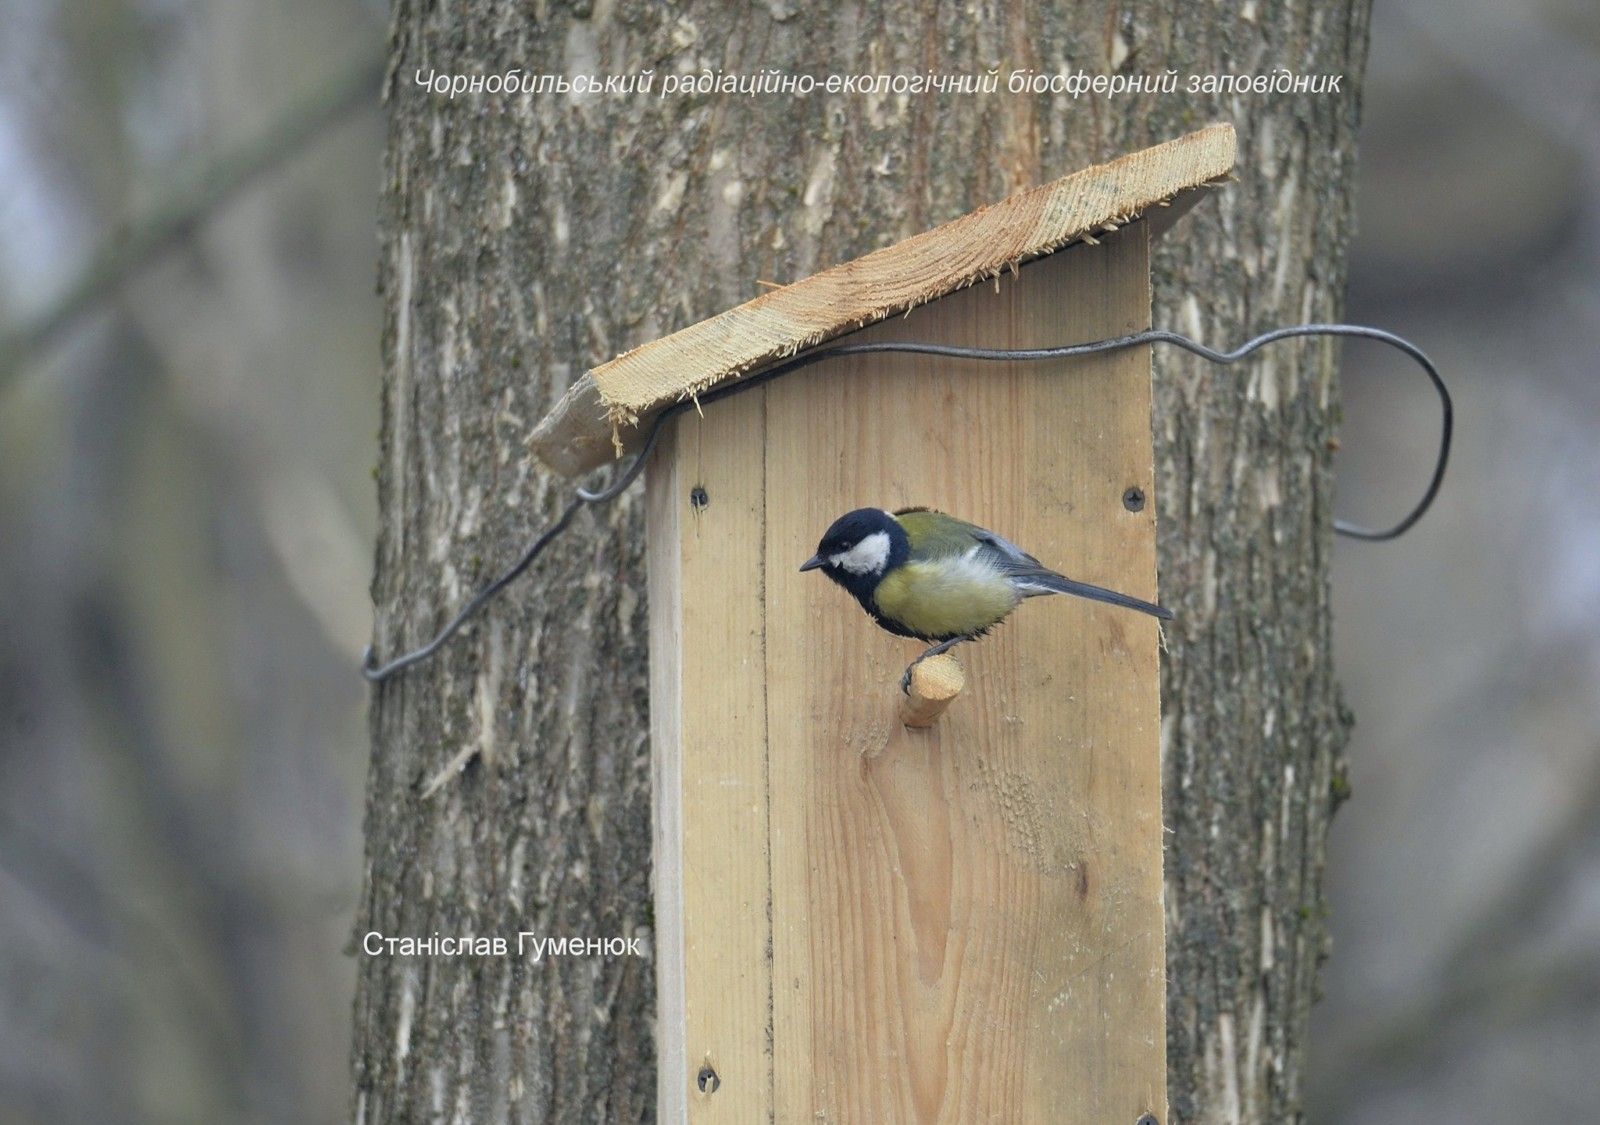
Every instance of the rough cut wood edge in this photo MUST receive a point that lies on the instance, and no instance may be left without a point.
(586, 427)
(935, 683)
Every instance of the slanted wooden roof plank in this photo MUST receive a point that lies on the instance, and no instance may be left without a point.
(592, 421)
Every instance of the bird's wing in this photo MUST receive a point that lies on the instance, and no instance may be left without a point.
(1032, 578)
(1026, 572)
(938, 536)
(942, 537)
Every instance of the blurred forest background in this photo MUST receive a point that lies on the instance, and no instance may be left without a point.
(188, 416)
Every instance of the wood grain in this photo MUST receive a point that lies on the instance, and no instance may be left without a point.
(606, 407)
(708, 725)
(955, 924)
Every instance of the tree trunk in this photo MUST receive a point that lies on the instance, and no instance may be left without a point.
(526, 238)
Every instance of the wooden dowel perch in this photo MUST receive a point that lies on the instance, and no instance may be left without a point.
(935, 683)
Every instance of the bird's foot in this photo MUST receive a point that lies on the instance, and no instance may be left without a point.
(936, 650)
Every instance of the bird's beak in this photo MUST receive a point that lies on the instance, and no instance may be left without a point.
(812, 563)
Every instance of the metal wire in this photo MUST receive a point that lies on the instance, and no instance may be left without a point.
(626, 476)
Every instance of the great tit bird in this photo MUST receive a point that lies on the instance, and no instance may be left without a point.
(920, 573)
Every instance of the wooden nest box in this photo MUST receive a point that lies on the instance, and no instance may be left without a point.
(856, 921)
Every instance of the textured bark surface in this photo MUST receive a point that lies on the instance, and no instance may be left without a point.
(527, 238)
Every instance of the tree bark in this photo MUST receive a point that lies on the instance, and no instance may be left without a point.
(526, 238)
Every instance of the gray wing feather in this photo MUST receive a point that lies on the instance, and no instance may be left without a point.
(1030, 576)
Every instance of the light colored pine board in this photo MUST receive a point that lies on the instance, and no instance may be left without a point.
(708, 725)
(967, 920)
(601, 411)
(862, 922)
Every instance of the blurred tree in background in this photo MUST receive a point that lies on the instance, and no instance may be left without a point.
(185, 508)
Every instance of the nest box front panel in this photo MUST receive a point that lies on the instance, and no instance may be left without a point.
(861, 922)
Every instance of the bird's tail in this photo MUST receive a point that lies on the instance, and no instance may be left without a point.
(1050, 582)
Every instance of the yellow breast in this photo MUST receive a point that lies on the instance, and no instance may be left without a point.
(946, 597)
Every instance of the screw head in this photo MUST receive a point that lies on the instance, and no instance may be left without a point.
(699, 498)
(707, 1080)
(1133, 500)
(1147, 1119)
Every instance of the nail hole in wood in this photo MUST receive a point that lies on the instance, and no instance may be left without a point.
(708, 1081)
(699, 498)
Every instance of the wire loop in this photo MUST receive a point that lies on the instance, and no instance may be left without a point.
(377, 673)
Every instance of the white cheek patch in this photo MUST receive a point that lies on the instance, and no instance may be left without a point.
(867, 557)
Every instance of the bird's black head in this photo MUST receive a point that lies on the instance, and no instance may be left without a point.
(860, 548)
